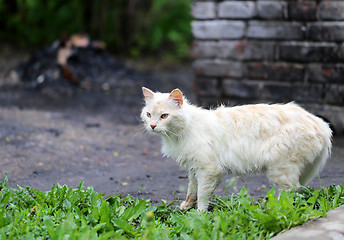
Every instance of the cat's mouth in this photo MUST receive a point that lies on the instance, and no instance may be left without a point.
(156, 131)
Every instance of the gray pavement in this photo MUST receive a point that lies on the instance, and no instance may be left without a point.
(325, 228)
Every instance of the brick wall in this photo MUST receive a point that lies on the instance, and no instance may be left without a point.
(271, 51)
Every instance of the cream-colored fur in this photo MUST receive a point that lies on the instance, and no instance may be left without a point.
(288, 143)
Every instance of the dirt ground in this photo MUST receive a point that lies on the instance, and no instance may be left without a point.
(96, 137)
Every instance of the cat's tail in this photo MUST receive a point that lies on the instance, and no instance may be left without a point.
(313, 169)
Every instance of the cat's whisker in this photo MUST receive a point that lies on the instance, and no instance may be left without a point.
(142, 131)
(167, 136)
(176, 134)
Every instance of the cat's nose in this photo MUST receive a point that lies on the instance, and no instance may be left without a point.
(153, 126)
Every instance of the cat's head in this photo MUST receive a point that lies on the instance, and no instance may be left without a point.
(162, 113)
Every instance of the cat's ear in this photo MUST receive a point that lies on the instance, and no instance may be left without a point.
(177, 96)
(147, 93)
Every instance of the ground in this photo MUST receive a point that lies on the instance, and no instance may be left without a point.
(96, 137)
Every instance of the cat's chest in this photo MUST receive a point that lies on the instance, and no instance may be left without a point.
(178, 150)
(172, 148)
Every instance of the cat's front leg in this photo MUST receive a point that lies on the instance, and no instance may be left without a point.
(207, 182)
(191, 195)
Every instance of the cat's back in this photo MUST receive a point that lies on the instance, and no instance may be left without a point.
(270, 119)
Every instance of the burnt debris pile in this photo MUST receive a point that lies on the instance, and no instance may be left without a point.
(74, 65)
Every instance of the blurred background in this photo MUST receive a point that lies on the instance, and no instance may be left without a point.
(93, 53)
(130, 28)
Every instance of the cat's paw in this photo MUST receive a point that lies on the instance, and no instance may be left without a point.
(188, 203)
(184, 205)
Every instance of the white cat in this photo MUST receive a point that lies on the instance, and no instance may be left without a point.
(288, 143)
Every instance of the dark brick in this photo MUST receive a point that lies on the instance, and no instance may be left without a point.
(241, 89)
(335, 94)
(309, 52)
(277, 92)
(327, 73)
(275, 30)
(329, 31)
(246, 50)
(217, 68)
(218, 29)
(271, 9)
(257, 90)
(302, 10)
(275, 71)
(331, 10)
(204, 49)
(307, 92)
(206, 87)
(341, 52)
(237, 9)
(203, 10)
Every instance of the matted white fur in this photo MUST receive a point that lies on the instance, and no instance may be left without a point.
(288, 143)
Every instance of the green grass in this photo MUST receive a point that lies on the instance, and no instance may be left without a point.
(79, 213)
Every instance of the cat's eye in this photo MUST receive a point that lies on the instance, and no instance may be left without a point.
(164, 116)
(149, 115)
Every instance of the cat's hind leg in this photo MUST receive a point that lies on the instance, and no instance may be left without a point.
(284, 177)
(191, 195)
